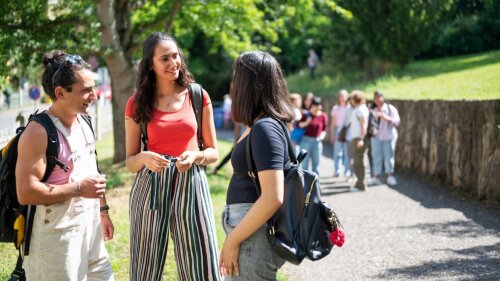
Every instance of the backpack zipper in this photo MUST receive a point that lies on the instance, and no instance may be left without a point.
(308, 196)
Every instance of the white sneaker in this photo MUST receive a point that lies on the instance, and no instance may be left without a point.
(353, 189)
(374, 181)
(352, 178)
(391, 180)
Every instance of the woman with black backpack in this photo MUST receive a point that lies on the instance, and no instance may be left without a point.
(260, 101)
(383, 143)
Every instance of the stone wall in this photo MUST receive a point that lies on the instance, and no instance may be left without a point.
(456, 142)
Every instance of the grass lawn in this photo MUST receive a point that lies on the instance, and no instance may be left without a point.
(118, 198)
(454, 78)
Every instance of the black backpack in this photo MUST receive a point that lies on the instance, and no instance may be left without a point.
(372, 129)
(373, 123)
(196, 94)
(16, 220)
(301, 227)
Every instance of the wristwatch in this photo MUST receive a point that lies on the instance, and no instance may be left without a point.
(104, 208)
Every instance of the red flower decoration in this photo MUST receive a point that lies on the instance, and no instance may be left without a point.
(337, 237)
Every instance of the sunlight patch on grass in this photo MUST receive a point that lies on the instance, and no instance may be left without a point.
(454, 78)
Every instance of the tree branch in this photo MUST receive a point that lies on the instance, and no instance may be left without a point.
(140, 28)
(175, 10)
(42, 25)
(156, 24)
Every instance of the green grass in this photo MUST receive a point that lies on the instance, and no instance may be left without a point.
(454, 78)
(116, 174)
(118, 197)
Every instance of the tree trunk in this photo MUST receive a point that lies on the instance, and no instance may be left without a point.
(114, 17)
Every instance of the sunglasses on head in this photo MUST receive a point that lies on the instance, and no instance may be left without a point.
(72, 59)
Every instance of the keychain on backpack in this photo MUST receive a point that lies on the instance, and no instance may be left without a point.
(337, 236)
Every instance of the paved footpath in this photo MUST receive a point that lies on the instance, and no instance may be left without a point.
(415, 231)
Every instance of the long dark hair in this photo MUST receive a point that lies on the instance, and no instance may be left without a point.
(259, 87)
(146, 78)
(304, 98)
(60, 70)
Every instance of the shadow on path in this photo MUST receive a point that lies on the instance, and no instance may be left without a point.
(435, 196)
(476, 263)
(428, 193)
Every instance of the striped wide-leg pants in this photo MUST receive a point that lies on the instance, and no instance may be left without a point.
(179, 203)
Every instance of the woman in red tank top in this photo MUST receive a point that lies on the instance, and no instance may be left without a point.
(170, 192)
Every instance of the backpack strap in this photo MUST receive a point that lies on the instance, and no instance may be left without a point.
(144, 134)
(252, 170)
(53, 144)
(196, 93)
(18, 274)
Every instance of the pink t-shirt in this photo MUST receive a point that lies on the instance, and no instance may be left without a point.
(59, 176)
(339, 113)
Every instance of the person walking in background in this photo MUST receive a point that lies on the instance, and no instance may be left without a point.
(170, 191)
(358, 120)
(6, 94)
(312, 62)
(226, 107)
(345, 138)
(315, 131)
(260, 101)
(296, 100)
(296, 133)
(383, 144)
(338, 114)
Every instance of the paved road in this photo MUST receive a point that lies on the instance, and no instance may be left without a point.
(8, 116)
(415, 231)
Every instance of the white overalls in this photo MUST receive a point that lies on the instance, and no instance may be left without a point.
(67, 242)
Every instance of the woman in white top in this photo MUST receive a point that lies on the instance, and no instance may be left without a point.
(358, 120)
(383, 144)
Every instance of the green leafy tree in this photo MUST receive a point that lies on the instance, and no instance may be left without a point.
(471, 26)
(397, 30)
(114, 31)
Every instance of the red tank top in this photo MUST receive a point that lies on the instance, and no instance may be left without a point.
(171, 133)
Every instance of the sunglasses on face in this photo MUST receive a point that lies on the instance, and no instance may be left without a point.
(72, 59)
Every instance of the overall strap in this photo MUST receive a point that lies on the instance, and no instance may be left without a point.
(88, 120)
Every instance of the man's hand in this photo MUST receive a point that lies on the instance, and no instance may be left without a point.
(107, 227)
(93, 186)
